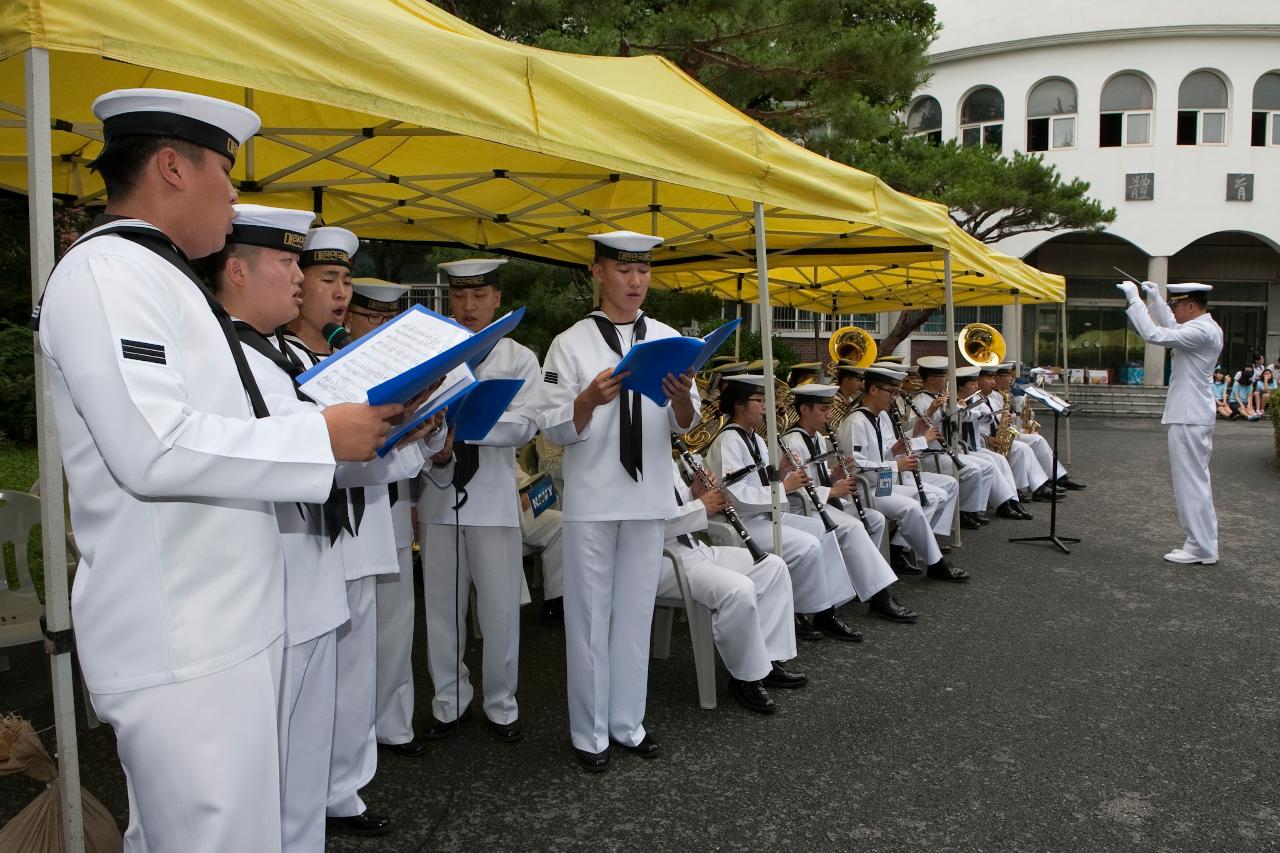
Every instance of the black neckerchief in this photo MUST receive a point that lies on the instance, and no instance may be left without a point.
(630, 434)
(812, 444)
(466, 457)
(749, 438)
(874, 419)
(683, 538)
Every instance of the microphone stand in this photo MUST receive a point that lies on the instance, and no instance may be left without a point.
(1053, 536)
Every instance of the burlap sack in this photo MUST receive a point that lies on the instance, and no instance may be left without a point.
(38, 827)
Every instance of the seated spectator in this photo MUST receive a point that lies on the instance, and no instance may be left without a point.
(1264, 388)
(1240, 397)
(1220, 393)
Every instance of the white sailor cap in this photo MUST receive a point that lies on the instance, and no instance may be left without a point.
(968, 371)
(890, 359)
(848, 368)
(270, 227)
(208, 122)
(881, 371)
(989, 369)
(745, 381)
(1007, 367)
(730, 369)
(933, 363)
(475, 272)
(329, 244)
(377, 295)
(813, 392)
(883, 364)
(1179, 292)
(626, 246)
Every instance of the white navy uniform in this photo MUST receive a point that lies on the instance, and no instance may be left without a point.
(1038, 443)
(869, 439)
(868, 571)
(751, 609)
(1027, 470)
(179, 631)
(613, 534)
(396, 603)
(976, 478)
(819, 578)
(485, 531)
(544, 533)
(1189, 412)
(974, 425)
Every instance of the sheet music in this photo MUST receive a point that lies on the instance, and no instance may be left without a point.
(1053, 401)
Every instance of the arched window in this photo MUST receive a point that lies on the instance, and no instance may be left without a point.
(1051, 115)
(1202, 109)
(982, 118)
(1266, 110)
(925, 119)
(1125, 117)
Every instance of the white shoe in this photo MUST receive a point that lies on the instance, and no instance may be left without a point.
(1177, 555)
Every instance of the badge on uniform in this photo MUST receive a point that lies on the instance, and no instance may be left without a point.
(885, 487)
(551, 377)
(142, 351)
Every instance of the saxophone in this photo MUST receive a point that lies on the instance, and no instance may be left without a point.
(1029, 422)
(1006, 432)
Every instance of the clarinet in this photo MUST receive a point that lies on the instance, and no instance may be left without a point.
(809, 489)
(955, 460)
(848, 473)
(730, 514)
(897, 431)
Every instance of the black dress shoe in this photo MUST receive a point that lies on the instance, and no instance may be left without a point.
(785, 679)
(968, 522)
(805, 631)
(901, 562)
(944, 571)
(1022, 509)
(366, 825)
(439, 730)
(1067, 483)
(412, 749)
(552, 611)
(1008, 510)
(830, 624)
(752, 696)
(1047, 493)
(981, 519)
(886, 606)
(511, 732)
(647, 748)
(593, 762)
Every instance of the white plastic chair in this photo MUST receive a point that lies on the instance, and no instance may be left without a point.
(699, 617)
(20, 609)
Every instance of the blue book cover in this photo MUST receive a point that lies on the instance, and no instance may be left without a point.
(476, 415)
(650, 361)
(426, 411)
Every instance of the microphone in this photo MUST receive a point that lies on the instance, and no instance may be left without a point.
(337, 336)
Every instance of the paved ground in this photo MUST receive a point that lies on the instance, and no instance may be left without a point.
(1102, 701)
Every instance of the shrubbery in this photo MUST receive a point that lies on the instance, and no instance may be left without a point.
(17, 383)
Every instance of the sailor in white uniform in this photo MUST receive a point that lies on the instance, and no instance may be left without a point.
(469, 511)
(259, 282)
(1032, 479)
(868, 435)
(543, 534)
(869, 573)
(174, 465)
(750, 602)
(819, 579)
(1185, 326)
(1039, 444)
(618, 485)
(973, 424)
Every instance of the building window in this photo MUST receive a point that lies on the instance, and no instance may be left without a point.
(982, 118)
(1266, 110)
(1051, 116)
(1126, 112)
(869, 322)
(786, 319)
(1202, 109)
(925, 119)
(992, 315)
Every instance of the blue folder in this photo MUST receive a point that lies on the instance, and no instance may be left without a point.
(476, 414)
(407, 385)
(650, 361)
(426, 411)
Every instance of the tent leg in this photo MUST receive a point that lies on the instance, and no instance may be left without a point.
(1066, 386)
(737, 332)
(950, 309)
(57, 601)
(766, 346)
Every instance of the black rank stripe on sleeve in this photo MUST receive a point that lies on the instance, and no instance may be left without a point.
(142, 351)
(551, 377)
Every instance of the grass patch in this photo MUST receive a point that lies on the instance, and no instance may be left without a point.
(19, 468)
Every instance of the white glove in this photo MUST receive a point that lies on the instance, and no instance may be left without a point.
(1151, 290)
(1129, 289)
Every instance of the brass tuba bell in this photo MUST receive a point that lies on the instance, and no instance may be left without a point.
(981, 345)
(851, 343)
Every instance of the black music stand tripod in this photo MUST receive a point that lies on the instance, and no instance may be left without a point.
(1053, 506)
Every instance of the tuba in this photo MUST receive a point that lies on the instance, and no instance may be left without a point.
(981, 345)
(850, 343)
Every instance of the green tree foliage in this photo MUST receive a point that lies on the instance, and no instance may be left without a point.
(17, 383)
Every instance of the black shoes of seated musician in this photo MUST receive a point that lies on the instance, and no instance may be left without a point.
(552, 612)
(1013, 509)
(806, 631)
(785, 679)
(981, 519)
(412, 749)
(901, 562)
(968, 521)
(646, 748)
(1046, 493)
(1067, 483)
(752, 696)
(886, 606)
(593, 762)
(365, 825)
(440, 731)
(944, 571)
(833, 626)
(511, 732)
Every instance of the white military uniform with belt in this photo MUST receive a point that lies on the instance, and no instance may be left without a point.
(178, 601)
(1023, 461)
(1189, 412)
(396, 605)
(978, 486)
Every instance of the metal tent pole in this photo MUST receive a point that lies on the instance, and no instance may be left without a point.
(766, 347)
(737, 332)
(52, 519)
(1066, 382)
(952, 386)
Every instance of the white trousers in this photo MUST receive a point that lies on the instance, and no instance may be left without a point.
(1003, 485)
(1043, 450)
(355, 749)
(201, 759)
(751, 612)
(1190, 446)
(394, 691)
(819, 579)
(545, 536)
(868, 571)
(488, 557)
(974, 479)
(914, 529)
(611, 573)
(312, 671)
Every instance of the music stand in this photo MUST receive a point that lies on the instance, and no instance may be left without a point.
(1061, 409)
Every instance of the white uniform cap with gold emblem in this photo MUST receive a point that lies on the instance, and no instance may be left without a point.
(881, 371)
(814, 393)
(476, 272)
(1179, 292)
(1007, 367)
(627, 247)
(968, 371)
(208, 122)
(891, 359)
(730, 369)
(270, 227)
(888, 365)
(932, 364)
(377, 295)
(329, 244)
(746, 380)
